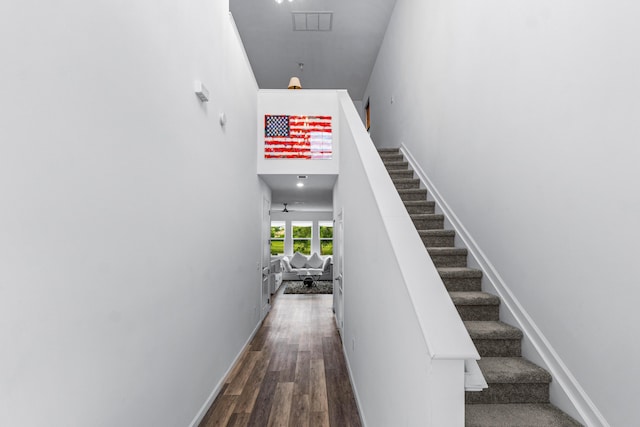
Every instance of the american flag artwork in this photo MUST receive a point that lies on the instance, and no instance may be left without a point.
(297, 137)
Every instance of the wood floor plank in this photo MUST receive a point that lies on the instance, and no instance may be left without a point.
(281, 407)
(239, 420)
(341, 402)
(238, 366)
(238, 382)
(221, 413)
(319, 419)
(300, 409)
(262, 406)
(293, 373)
(288, 371)
(318, 395)
(260, 338)
(303, 372)
(247, 399)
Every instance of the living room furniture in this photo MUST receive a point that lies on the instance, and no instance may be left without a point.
(310, 276)
(275, 275)
(302, 264)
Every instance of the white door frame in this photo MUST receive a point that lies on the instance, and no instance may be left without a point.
(338, 272)
(265, 262)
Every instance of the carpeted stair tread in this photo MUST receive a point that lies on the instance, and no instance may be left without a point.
(459, 273)
(486, 330)
(383, 151)
(461, 279)
(474, 298)
(412, 191)
(400, 173)
(406, 183)
(392, 157)
(517, 415)
(437, 237)
(512, 370)
(396, 165)
(416, 207)
(426, 203)
(427, 216)
(447, 251)
(441, 232)
(493, 338)
(448, 256)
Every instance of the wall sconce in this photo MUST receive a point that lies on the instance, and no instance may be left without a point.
(294, 83)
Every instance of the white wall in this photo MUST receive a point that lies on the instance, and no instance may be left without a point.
(525, 115)
(127, 286)
(360, 109)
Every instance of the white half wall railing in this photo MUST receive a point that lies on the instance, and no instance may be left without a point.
(407, 349)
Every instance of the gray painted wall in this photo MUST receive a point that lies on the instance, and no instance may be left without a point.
(127, 284)
(525, 117)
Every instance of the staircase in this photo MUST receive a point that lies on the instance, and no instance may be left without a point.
(518, 392)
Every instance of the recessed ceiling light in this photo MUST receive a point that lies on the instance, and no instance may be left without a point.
(300, 184)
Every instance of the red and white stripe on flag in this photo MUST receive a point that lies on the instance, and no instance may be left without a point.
(297, 137)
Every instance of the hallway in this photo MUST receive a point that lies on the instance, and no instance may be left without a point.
(292, 374)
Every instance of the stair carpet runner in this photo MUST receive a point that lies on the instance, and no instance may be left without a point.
(518, 392)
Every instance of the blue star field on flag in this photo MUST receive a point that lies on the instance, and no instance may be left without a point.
(276, 126)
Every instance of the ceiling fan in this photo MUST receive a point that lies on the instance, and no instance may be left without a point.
(284, 210)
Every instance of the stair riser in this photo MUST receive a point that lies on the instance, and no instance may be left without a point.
(396, 166)
(498, 348)
(401, 174)
(510, 393)
(462, 284)
(478, 312)
(413, 196)
(404, 185)
(449, 260)
(429, 224)
(438, 241)
(388, 157)
(426, 209)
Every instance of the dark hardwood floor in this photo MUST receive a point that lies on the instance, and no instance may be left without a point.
(293, 373)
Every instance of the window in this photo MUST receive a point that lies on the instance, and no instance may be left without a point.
(301, 234)
(277, 237)
(326, 237)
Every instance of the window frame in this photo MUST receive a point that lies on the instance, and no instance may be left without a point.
(302, 224)
(325, 239)
(283, 225)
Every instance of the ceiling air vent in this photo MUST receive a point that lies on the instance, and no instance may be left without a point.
(312, 21)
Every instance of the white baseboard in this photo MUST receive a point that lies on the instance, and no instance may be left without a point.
(216, 390)
(591, 416)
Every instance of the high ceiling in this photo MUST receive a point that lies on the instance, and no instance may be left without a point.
(341, 58)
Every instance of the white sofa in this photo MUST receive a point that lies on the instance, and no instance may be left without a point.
(299, 264)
